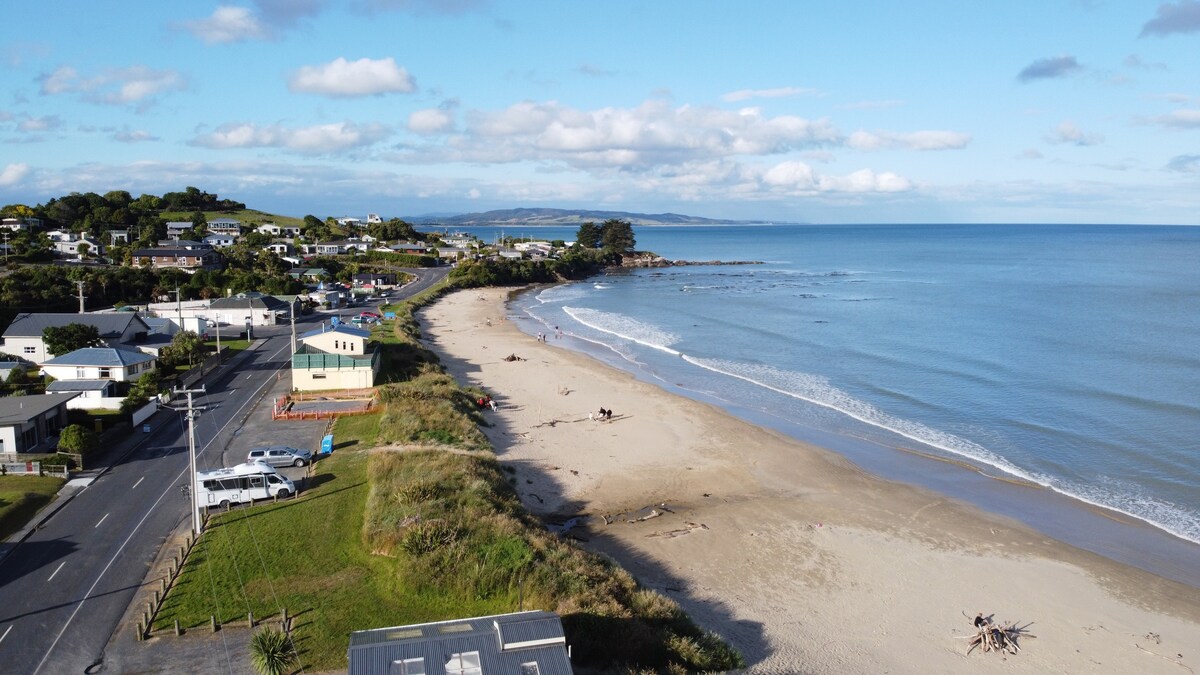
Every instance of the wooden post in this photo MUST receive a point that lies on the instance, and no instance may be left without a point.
(213, 620)
(141, 632)
(177, 631)
(163, 585)
(156, 596)
(250, 618)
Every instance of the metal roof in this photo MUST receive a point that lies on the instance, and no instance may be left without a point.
(538, 640)
(250, 302)
(340, 328)
(110, 324)
(100, 356)
(78, 385)
(21, 409)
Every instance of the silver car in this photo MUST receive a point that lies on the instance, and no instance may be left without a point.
(280, 455)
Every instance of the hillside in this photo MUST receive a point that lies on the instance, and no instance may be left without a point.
(534, 217)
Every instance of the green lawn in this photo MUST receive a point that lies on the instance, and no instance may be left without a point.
(21, 497)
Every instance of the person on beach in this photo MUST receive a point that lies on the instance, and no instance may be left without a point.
(492, 403)
(608, 414)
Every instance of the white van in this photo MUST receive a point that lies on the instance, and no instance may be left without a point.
(241, 483)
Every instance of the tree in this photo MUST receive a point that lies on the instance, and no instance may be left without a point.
(66, 339)
(140, 392)
(617, 235)
(77, 438)
(83, 249)
(588, 235)
(186, 347)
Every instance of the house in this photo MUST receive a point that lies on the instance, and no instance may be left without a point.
(373, 218)
(220, 240)
(278, 231)
(189, 244)
(185, 259)
(408, 248)
(71, 247)
(308, 273)
(118, 237)
(100, 375)
(23, 337)
(15, 224)
(454, 253)
(333, 296)
(32, 423)
(229, 226)
(374, 279)
(280, 248)
(335, 357)
(250, 309)
(521, 643)
(176, 228)
(350, 221)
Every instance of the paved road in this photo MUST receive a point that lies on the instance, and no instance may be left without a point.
(64, 589)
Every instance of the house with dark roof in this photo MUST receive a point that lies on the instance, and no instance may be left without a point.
(182, 258)
(229, 226)
(256, 309)
(335, 357)
(522, 643)
(32, 423)
(24, 336)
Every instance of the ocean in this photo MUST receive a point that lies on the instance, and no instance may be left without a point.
(1054, 370)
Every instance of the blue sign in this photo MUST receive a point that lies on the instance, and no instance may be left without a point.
(333, 321)
(327, 445)
(389, 315)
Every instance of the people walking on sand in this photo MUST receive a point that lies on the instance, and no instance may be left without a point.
(492, 403)
(608, 414)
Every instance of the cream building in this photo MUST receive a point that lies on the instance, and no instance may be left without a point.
(335, 357)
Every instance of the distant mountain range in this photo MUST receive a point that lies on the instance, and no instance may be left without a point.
(534, 217)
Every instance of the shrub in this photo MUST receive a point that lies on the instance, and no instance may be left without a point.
(271, 652)
(77, 438)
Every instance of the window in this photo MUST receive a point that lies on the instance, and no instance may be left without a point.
(80, 373)
(318, 376)
(530, 668)
(105, 373)
(464, 664)
(409, 667)
(31, 350)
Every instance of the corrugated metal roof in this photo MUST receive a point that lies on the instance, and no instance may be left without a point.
(109, 357)
(110, 324)
(78, 385)
(372, 652)
(340, 328)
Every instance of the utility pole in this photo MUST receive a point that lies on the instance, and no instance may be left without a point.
(192, 413)
(6, 233)
(179, 305)
(292, 316)
(81, 298)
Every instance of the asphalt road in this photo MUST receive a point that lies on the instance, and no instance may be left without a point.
(64, 589)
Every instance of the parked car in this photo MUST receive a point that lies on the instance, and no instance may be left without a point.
(280, 455)
(370, 315)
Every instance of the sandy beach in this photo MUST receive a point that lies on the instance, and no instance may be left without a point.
(801, 560)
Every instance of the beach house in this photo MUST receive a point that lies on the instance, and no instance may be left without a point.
(24, 336)
(335, 357)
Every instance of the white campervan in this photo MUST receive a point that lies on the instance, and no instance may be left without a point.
(241, 483)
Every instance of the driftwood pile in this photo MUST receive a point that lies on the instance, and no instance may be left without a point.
(992, 637)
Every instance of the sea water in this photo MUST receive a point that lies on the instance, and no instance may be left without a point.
(1063, 357)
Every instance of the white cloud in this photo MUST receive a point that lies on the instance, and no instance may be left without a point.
(13, 173)
(916, 140)
(314, 140)
(798, 178)
(1178, 119)
(430, 121)
(1067, 132)
(38, 124)
(119, 86)
(649, 135)
(778, 92)
(227, 24)
(342, 78)
(135, 136)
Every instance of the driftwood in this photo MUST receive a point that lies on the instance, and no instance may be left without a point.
(992, 637)
(513, 357)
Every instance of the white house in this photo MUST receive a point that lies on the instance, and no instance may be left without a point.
(100, 375)
(23, 337)
(220, 240)
(373, 218)
(32, 423)
(228, 226)
(349, 221)
(335, 357)
(280, 248)
(253, 309)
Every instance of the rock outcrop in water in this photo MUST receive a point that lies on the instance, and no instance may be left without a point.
(646, 259)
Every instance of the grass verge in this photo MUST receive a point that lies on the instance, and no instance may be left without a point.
(21, 497)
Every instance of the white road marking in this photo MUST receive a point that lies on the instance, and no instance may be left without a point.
(56, 569)
(101, 521)
(6, 633)
(139, 482)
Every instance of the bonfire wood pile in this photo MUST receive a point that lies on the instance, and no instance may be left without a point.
(993, 637)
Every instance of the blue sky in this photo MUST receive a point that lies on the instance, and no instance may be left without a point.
(920, 111)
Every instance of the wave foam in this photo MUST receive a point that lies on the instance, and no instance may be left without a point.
(624, 327)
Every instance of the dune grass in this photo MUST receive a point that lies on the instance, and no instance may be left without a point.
(425, 528)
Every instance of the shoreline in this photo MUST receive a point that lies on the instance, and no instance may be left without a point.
(801, 559)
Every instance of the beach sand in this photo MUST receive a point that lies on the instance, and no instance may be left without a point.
(801, 560)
